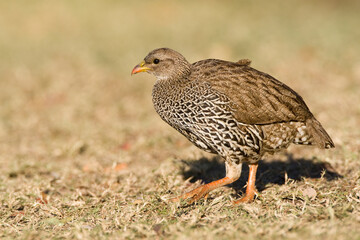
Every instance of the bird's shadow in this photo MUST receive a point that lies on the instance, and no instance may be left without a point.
(274, 172)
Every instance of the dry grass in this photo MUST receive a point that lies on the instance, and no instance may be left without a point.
(84, 155)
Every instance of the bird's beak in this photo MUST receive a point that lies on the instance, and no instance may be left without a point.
(140, 68)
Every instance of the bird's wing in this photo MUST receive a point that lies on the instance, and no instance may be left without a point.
(255, 97)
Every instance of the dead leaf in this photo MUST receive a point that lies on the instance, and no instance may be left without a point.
(125, 146)
(116, 167)
(120, 166)
(44, 199)
(90, 167)
(158, 228)
(17, 213)
(309, 192)
(137, 201)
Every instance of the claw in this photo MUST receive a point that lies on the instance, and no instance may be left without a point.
(250, 188)
(202, 191)
(248, 198)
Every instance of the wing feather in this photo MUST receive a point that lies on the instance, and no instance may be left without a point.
(256, 97)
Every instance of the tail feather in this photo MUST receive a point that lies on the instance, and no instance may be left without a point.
(320, 136)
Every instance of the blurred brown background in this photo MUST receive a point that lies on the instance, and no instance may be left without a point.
(70, 109)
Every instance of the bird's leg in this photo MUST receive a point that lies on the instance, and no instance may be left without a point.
(233, 172)
(203, 190)
(250, 188)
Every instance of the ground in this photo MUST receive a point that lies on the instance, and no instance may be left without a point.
(84, 155)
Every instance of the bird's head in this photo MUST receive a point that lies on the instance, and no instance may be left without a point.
(164, 63)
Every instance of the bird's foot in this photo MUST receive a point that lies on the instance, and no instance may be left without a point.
(250, 188)
(203, 191)
(194, 195)
(245, 199)
(248, 198)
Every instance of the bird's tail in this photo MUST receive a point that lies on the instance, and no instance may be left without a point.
(321, 137)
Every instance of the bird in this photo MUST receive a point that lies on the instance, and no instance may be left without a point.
(229, 109)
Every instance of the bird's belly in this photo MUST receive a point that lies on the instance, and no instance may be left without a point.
(188, 123)
(219, 134)
(207, 121)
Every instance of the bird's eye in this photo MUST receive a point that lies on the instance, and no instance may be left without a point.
(156, 61)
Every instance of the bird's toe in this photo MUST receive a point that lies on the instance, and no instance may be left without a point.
(194, 195)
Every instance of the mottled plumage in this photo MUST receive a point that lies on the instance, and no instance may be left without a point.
(229, 109)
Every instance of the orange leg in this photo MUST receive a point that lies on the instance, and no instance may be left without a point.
(250, 189)
(203, 190)
(233, 172)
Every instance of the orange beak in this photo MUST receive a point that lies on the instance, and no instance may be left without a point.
(140, 68)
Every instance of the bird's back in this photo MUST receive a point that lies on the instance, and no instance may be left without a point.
(257, 98)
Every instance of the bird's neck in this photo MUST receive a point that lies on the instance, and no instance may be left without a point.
(183, 70)
(179, 76)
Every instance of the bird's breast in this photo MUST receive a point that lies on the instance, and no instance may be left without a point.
(178, 105)
(206, 119)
